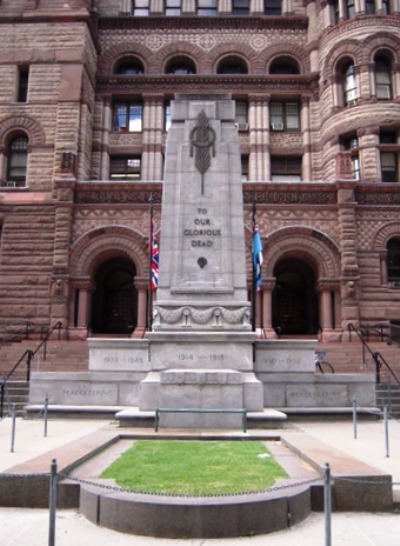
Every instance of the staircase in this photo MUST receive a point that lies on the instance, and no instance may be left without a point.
(17, 392)
(388, 394)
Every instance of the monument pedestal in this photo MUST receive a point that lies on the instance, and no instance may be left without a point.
(198, 370)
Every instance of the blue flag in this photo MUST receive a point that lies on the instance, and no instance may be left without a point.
(257, 257)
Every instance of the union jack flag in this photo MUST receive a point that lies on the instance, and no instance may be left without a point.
(155, 258)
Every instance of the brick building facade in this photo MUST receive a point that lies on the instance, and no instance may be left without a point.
(85, 91)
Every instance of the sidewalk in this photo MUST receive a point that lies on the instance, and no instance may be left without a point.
(357, 529)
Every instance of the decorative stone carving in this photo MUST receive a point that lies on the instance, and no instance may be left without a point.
(211, 317)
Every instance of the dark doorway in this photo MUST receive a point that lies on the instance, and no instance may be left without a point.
(294, 300)
(114, 305)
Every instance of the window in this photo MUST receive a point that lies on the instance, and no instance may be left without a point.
(272, 7)
(241, 115)
(22, 88)
(17, 160)
(232, 66)
(167, 118)
(349, 84)
(286, 168)
(350, 144)
(389, 170)
(245, 167)
(284, 65)
(207, 8)
(173, 8)
(383, 79)
(140, 8)
(393, 260)
(285, 116)
(386, 7)
(127, 117)
(369, 7)
(129, 67)
(350, 9)
(240, 7)
(182, 66)
(125, 168)
(389, 155)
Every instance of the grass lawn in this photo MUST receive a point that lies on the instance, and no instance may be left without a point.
(195, 467)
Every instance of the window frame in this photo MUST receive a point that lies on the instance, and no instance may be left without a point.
(202, 10)
(140, 11)
(290, 169)
(23, 84)
(393, 255)
(17, 160)
(133, 122)
(241, 8)
(130, 173)
(383, 72)
(281, 124)
(172, 8)
(273, 8)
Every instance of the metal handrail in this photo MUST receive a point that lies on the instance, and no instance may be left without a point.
(28, 356)
(58, 326)
(377, 357)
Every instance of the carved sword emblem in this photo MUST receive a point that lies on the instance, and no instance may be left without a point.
(202, 138)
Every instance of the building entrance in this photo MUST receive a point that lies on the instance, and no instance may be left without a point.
(294, 300)
(114, 305)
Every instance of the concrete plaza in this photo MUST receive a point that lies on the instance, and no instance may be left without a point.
(19, 527)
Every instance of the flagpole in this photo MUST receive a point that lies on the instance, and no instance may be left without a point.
(254, 287)
(150, 291)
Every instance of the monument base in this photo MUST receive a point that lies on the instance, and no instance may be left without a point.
(200, 390)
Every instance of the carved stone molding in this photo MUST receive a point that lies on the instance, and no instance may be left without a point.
(215, 317)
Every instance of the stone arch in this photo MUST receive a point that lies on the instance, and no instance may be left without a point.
(382, 41)
(297, 53)
(311, 245)
(26, 124)
(242, 51)
(103, 243)
(385, 233)
(109, 58)
(349, 49)
(180, 49)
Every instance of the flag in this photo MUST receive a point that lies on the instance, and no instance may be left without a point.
(155, 257)
(257, 257)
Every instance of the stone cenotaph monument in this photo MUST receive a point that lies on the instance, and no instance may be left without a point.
(201, 343)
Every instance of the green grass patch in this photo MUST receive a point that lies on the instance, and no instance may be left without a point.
(195, 467)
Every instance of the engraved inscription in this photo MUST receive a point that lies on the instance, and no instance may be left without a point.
(203, 231)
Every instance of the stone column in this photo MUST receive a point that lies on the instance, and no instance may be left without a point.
(305, 129)
(259, 162)
(153, 125)
(349, 263)
(107, 125)
(84, 287)
(141, 286)
(368, 142)
(268, 287)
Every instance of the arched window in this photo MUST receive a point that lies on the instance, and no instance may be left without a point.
(393, 259)
(182, 66)
(284, 65)
(232, 65)
(349, 81)
(17, 160)
(383, 77)
(129, 67)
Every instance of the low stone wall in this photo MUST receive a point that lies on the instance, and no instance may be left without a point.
(203, 517)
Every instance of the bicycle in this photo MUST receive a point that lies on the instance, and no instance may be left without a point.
(323, 365)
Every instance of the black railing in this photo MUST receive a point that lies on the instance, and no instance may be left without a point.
(377, 357)
(27, 357)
